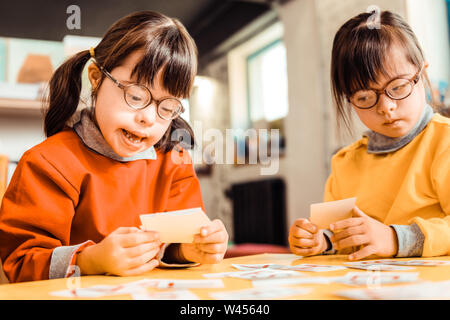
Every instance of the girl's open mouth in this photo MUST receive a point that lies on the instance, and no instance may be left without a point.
(131, 137)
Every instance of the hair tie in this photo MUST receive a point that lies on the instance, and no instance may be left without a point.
(91, 51)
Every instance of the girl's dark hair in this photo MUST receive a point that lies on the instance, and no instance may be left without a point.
(166, 46)
(359, 56)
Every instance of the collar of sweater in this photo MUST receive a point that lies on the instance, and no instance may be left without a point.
(379, 143)
(92, 137)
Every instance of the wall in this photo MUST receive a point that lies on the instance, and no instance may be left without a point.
(18, 133)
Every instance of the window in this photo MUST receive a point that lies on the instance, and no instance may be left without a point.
(258, 94)
(267, 83)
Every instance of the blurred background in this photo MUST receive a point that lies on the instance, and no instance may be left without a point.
(263, 64)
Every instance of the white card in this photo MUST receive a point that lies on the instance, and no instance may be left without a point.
(298, 267)
(165, 295)
(421, 291)
(283, 282)
(255, 274)
(376, 267)
(176, 226)
(325, 213)
(416, 263)
(259, 293)
(186, 284)
(377, 278)
(264, 274)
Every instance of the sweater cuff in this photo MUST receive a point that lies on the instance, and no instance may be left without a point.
(330, 249)
(410, 240)
(171, 262)
(62, 263)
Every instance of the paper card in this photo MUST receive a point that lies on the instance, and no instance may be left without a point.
(425, 290)
(264, 274)
(176, 226)
(106, 290)
(376, 266)
(298, 267)
(259, 293)
(325, 213)
(377, 278)
(416, 263)
(165, 295)
(186, 284)
(255, 274)
(284, 282)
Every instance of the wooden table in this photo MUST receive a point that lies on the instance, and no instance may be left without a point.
(41, 289)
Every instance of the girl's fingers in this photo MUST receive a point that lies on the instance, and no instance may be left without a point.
(348, 232)
(215, 226)
(363, 253)
(217, 237)
(124, 230)
(140, 249)
(142, 259)
(213, 248)
(209, 258)
(301, 233)
(343, 224)
(137, 238)
(143, 268)
(307, 225)
(303, 243)
(352, 241)
(302, 251)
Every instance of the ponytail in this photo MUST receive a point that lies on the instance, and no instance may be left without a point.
(64, 93)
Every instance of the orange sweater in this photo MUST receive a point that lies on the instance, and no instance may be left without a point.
(63, 194)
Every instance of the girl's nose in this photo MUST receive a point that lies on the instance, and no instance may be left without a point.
(147, 116)
(386, 105)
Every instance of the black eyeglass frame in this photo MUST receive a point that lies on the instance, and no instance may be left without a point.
(413, 81)
(124, 88)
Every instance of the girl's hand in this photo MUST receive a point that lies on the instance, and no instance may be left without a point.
(305, 238)
(124, 252)
(209, 245)
(377, 238)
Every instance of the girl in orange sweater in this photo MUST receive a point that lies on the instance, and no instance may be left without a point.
(75, 199)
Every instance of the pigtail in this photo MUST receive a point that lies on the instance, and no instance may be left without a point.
(64, 93)
(179, 134)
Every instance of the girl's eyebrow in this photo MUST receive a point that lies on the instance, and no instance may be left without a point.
(396, 77)
(161, 98)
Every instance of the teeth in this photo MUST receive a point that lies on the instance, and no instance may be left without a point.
(132, 137)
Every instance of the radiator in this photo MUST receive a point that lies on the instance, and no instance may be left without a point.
(259, 212)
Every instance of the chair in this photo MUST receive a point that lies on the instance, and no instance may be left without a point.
(3, 174)
(259, 217)
(3, 178)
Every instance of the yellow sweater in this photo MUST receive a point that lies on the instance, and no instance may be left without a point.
(410, 185)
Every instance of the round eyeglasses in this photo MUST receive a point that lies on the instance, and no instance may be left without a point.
(139, 97)
(396, 89)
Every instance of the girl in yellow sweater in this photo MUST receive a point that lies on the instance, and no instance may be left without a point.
(399, 171)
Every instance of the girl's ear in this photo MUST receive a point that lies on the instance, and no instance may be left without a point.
(425, 64)
(94, 75)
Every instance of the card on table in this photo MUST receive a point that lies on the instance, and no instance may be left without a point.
(165, 295)
(377, 278)
(255, 274)
(421, 291)
(376, 266)
(298, 267)
(259, 293)
(136, 287)
(291, 281)
(416, 263)
(325, 213)
(176, 226)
